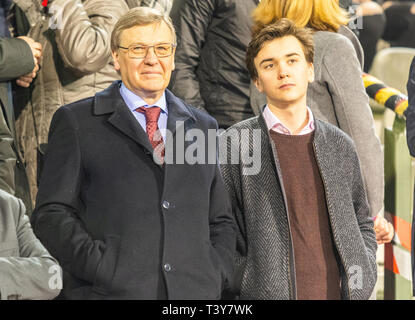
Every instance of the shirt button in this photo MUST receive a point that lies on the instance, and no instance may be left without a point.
(167, 267)
(166, 204)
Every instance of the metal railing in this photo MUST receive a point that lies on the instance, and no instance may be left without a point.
(399, 184)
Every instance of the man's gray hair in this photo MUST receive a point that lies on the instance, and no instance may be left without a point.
(139, 16)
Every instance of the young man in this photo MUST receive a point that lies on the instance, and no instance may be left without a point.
(304, 225)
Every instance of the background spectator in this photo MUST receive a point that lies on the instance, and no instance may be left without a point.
(373, 24)
(400, 23)
(18, 62)
(210, 69)
(24, 262)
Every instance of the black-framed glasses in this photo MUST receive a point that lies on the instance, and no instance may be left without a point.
(139, 51)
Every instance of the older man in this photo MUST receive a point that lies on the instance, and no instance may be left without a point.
(75, 65)
(123, 222)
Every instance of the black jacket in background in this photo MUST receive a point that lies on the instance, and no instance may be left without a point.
(369, 35)
(410, 134)
(16, 59)
(210, 58)
(400, 25)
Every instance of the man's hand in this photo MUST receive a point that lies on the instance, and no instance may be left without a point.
(26, 80)
(384, 230)
(35, 46)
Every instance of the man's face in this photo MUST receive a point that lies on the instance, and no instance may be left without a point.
(283, 72)
(147, 77)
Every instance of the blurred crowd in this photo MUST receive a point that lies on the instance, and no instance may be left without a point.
(58, 52)
(391, 21)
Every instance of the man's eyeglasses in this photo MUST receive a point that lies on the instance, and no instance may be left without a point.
(138, 51)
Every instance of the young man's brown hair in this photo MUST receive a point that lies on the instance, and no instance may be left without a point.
(281, 28)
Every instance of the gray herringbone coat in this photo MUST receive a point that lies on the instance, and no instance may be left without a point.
(265, 263)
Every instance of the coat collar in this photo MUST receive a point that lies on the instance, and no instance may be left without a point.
(319, 132)
(178, 112)
(111, 102)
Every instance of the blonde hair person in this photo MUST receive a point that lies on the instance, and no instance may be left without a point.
(322, 15)
(318, 15)
(337, 95)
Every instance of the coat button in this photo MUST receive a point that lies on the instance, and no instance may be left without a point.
(167, 267)
(166, 204)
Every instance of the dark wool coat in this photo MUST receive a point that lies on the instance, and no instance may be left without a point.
(265, 260)
(121, 226)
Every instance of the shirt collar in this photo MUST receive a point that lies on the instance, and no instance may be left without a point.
(134, 101)
(275, 124)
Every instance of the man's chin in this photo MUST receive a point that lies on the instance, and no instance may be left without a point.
(155, 88)
(284, 100)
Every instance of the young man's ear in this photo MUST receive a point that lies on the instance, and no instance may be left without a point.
(311, 73)
(115, 58)
(258, 84)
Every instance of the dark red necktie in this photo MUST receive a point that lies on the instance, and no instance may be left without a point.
(154, 135)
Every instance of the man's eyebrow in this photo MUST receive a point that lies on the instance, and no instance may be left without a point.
(292, 54)
(266, 60)
(286, 56)
(147, 44)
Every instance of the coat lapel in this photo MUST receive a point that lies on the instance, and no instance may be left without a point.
(178, 114)
(111, 102)
(180, 119)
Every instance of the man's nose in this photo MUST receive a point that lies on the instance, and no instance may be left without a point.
(282, 73)
(150, 57)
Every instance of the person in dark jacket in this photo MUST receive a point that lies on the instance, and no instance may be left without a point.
(305, 230)
(410, 134)
(210, 70)
(400, 23)
(18, 62)
(123, 222)
(25, 265)
(373, 24)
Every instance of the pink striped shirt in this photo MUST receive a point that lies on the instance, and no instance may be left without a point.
(273, 123)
